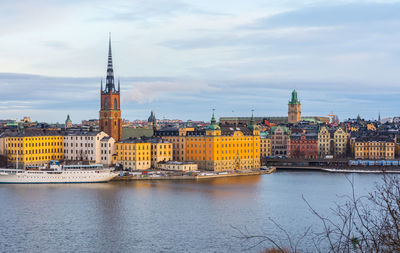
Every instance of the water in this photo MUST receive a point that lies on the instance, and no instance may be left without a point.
(165, 216)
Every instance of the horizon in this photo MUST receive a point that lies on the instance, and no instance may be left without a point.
(181, 59)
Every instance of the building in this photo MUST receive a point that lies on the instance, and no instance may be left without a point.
(68, 122)
(257, 120)
(161, 151)
(133, 153)
(87, 146)
(110, 112)
(90, 122)
(332, 141)
(303, 145)
(226, 148)
(218, 148)
(279, 140)
(178, 166)
(177, 136)
(373, 148)
(107, 147)
(265, 145)
(33, 148)
(294, 109)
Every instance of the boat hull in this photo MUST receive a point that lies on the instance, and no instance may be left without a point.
(65, 177)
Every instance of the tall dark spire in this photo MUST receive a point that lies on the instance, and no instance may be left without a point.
(110, 87)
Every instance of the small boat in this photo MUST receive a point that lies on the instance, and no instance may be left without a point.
(58, 174)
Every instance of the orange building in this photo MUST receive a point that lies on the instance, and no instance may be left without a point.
(226, 148)
(110, 111)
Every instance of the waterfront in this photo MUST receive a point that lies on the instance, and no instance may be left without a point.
(164, 216)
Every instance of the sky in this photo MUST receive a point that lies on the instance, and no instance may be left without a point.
(184, 58)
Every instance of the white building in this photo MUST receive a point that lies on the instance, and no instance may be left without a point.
(179, 166)
(86, 146)
(107, 150)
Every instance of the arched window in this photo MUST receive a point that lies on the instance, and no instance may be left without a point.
(105, 103)
(115, 104)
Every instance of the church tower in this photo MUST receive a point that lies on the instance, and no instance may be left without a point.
(294, 112)
(110, 111)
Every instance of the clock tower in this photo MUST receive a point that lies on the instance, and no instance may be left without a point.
(110, 110)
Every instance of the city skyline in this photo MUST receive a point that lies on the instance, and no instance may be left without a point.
(182, 59)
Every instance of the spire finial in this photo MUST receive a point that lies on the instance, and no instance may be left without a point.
(213, 121)
(110, 71)
(101, 84)
(252, 117)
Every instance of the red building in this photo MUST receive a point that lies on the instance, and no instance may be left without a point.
(110, 111)
(303, 145)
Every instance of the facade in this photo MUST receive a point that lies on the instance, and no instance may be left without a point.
(332, 141)
(176, 136)
(32, 148)
(161, 151)
(132, 153)
(228, 148)
(294, 109)
(265, 146)
(372, 148)
(279, 140)
(178, 166)
(107, 147)
(83, 146)
(218, 148)
(110, 111)
(303, 145)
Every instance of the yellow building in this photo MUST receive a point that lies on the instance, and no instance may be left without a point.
(332, 141)
(265, 146)
(374, 148)
(33, 148)
(161, 151)
(132, 153)
(228, 148)
(176, 136)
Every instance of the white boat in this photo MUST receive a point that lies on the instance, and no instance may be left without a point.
(58, 175)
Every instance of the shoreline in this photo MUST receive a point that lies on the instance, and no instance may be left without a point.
(195, 177)
(343, 170)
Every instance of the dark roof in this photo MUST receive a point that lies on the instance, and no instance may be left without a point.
(308, 136)
(105, 138)
(144, 140)
(81, 133)
(30, 133)
(229, 130)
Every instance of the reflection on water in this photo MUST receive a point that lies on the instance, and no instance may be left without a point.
(162, 216)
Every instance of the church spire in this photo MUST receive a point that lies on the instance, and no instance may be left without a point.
(110, 71)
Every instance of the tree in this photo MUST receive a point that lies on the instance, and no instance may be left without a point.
(360, 224)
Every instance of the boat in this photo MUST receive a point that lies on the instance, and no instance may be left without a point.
(58, 174)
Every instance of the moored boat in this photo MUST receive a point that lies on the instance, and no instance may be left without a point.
(58, 174)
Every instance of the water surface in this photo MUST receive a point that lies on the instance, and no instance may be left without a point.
(165, 216)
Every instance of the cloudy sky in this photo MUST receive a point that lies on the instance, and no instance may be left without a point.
(183, 58)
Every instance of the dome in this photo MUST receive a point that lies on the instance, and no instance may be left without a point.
(213, 126)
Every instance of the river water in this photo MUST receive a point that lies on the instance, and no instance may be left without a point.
(166, 216)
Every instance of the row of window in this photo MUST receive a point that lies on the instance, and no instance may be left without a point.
(35, 151)
(87, 145)
(35, 144)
